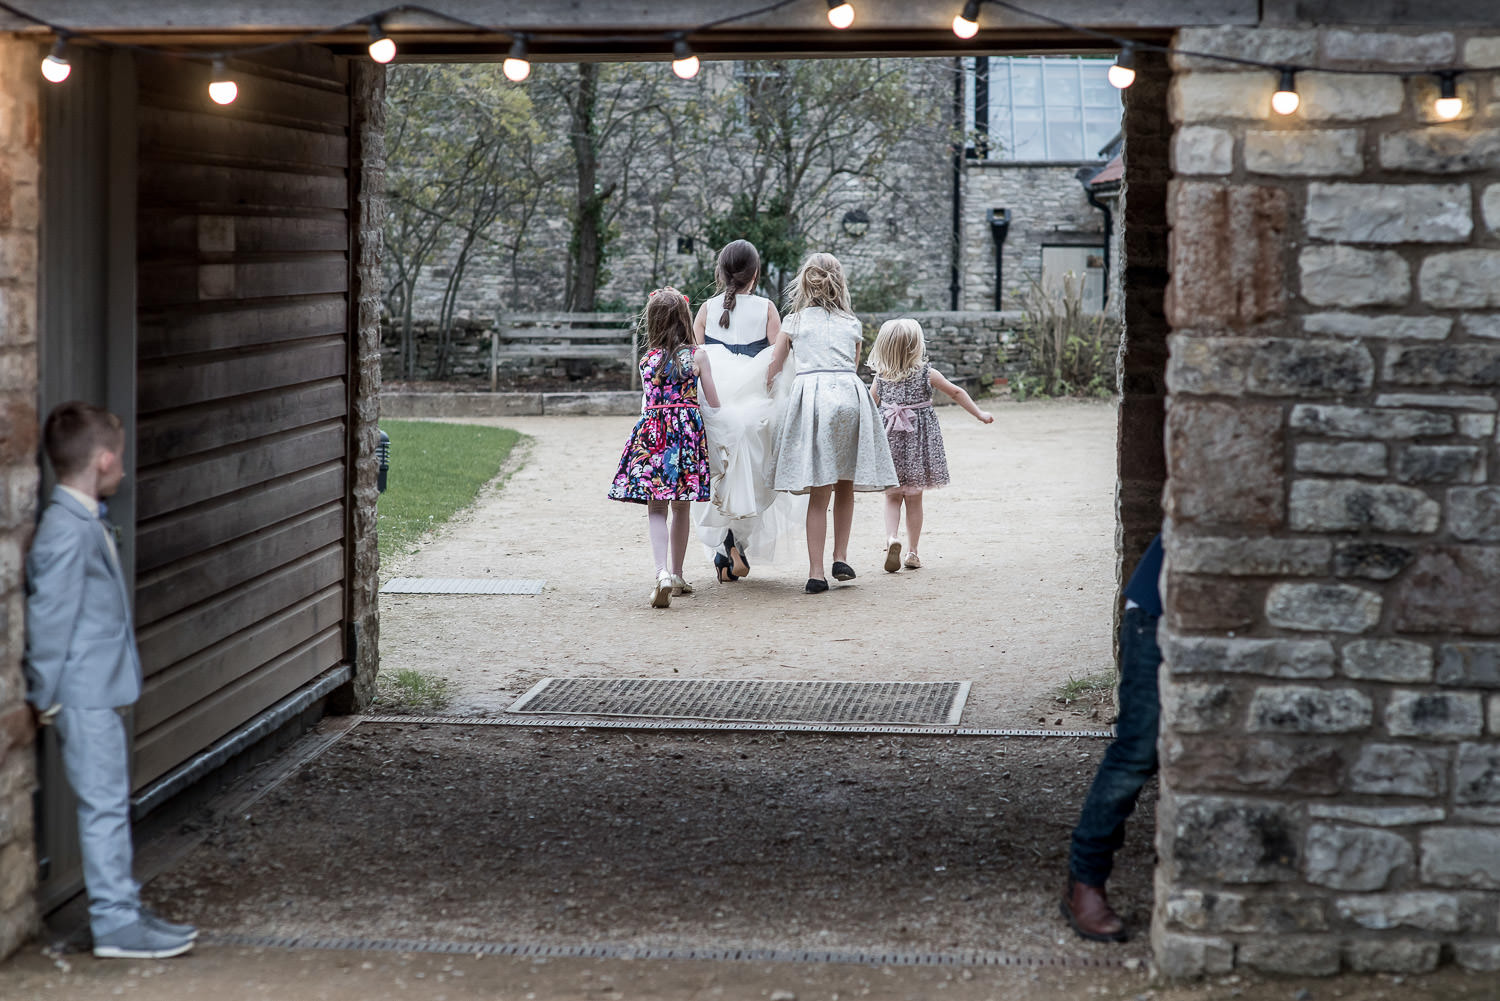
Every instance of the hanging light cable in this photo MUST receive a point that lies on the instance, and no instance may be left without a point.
(222, 89)
(382, 47)
(516, 67)
(840, 14)
(966, 23)
(1448, 105)
(1285, 100)
(55, 67)
(1122, 73)
(684, 63)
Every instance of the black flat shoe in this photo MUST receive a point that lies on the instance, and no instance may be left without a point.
(842, 571)
(815, 586)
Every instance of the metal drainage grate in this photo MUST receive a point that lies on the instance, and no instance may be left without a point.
(918, 703)
(678, 724)
(858, 957)
(460, 585)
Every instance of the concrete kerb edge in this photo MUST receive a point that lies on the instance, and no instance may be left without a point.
(433, 405)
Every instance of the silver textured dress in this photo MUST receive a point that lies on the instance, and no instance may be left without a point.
(831, 429)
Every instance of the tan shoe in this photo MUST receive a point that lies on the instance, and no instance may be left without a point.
(893, 556)
(912, 561)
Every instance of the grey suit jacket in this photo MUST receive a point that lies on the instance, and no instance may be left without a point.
(80, 646)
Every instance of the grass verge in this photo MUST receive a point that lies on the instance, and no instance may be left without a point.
(436, 471)
(1096, 687)
(411, 691)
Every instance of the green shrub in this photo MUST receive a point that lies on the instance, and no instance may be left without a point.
(1068, 352)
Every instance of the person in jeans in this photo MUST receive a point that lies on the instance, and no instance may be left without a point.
(1128, 762)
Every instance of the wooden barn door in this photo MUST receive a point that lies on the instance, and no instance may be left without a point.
(242, 401)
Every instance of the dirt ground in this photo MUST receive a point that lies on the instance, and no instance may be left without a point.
(1015, 593)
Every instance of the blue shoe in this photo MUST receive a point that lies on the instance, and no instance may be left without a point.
(140, 940)
(154, 919)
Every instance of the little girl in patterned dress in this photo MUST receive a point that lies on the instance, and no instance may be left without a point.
(904, 381)
(665, 462)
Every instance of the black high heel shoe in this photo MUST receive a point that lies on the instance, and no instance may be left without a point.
(737, 561)
(722, 569)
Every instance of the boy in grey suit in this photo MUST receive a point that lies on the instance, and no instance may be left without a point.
(82, 668)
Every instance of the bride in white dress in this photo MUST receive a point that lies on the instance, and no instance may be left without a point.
(745, 518)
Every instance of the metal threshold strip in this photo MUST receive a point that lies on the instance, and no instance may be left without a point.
(853, 957)
(575, 723)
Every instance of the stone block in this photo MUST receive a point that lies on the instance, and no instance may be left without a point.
(1489, 205)
(1476, 425)
(1359, 422)
(1495, 715)
(1425, 911)
(1305, 153)
(1482, 957)
(1454, 400)
(1481, 324)
(1390, 48)
(1276, 658)
(1340, 608)
(1182, 957)
(1476, 775)
(1441, 464)
(1434, 715)
(1388, 660)
(1482, 53)
(1352, 458)
(1345, 276)
(1469, 665)
(1279, 767)
(1241, 557)
(1266, 366)
(1377, 816)
(1329, 97)
(1234, 840)
(1211, 604)
(1451, 149)
(1450, 589)
(1227, 253)
(1474, 513)
(1388, 213)
(1198, 708)
(1372, 560)
(1202, 149)
(1352, 506)
(1399, 770)
(1392, 956)
(1291, 46)
(1206, 97)
(1304, 709)
(1226, 464)
(1461, 857)
(1354, 858)
(1309, 956)
(1461, 279)
(1406, 328)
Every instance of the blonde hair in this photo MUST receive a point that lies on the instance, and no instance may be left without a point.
(820, 282)
(899, 349)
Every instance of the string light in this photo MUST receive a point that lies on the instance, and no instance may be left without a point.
(966, 23)
(1122, 73)
(1449, 105)
(55, 67)
(840, 14)
(516, 68)
(382, 48)
(223, 90)
(684, 63)
(1285, 100)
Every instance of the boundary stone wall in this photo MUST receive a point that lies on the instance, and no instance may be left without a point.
(1331, 688)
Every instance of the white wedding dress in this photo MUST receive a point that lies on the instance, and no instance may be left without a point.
(740, 432)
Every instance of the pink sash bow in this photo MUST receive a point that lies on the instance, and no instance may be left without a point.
(901, 416)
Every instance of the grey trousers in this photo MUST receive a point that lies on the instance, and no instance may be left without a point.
(96, 758)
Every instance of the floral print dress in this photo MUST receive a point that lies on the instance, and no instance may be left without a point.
(666, 458)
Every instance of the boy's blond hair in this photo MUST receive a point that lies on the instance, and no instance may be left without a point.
(899, 349)
(820, 282)
(76, 431)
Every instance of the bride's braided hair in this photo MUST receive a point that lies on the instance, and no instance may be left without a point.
(739, 263)
(820, 282)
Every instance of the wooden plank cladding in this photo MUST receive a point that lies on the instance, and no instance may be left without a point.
(242, 393)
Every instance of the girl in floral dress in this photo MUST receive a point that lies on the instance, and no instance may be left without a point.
(904, 381)
(665, 462)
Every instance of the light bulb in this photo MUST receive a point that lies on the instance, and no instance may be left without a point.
(516, 67)
(684, 63)
(1285, 100)
(840, 15)
(1122, 73)
(223, 90)
(966, 24)
(382, 48)
(1449, 105)
(55, 67)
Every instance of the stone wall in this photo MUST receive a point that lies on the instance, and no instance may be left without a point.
(19, 211)
(1331, 689)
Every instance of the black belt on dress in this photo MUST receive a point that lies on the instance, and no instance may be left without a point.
(752, 349)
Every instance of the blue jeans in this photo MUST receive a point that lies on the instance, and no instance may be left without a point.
(1130, 758)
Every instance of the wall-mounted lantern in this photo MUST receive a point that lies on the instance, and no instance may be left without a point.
(856, 222)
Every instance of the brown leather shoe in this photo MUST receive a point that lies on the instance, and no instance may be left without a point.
(1088, 912)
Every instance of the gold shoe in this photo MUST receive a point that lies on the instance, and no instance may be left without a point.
(893, 557)
(680, 585)
(913, 561)
(661, 594)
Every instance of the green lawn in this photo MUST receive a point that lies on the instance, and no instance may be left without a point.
(436, 470)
